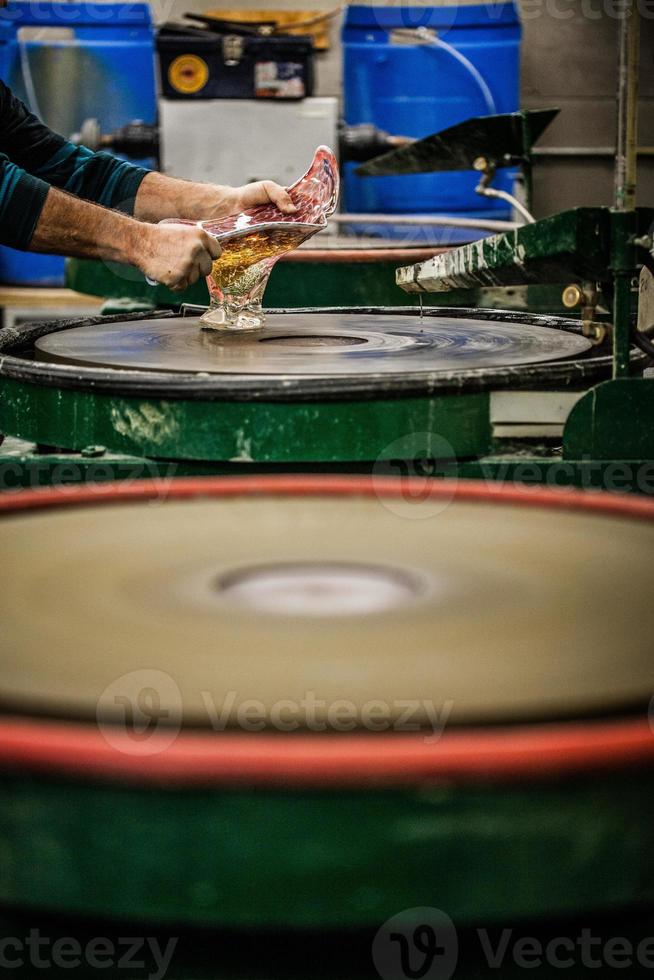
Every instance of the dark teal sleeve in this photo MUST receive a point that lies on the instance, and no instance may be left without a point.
(21, 201)
(98, 177)
(32, 158)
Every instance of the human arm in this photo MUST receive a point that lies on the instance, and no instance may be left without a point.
(37, 216)
(160, 196)
(49, 159)
(175, 255)
(106, 180)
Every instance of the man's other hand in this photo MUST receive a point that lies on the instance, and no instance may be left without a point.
(175, 255)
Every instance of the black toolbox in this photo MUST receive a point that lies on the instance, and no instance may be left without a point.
(197, 63)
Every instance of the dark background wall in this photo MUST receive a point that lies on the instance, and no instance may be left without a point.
(570, 61)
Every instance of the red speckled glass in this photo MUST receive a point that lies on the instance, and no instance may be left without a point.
(253, 240)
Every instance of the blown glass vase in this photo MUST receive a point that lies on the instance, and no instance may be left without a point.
(253, 241)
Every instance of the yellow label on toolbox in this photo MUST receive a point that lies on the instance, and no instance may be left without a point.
(188, 73)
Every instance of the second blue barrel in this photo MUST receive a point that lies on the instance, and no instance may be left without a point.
(413, 71)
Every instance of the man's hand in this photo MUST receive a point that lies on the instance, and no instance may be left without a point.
(262, 192)
(174, 255)
(165, 197)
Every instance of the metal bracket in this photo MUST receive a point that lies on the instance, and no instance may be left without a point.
(413, 35)
(586, 297)
(488, 168)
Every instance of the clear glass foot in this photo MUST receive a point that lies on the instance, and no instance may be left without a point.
(229, 316)
(236, 299)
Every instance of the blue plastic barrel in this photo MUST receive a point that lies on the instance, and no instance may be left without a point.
(392, 78)
(75, 61)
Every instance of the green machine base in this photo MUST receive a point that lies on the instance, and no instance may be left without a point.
(559, 422)
(407, 848)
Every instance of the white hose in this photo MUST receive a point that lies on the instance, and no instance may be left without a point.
(510, 199)
(470, 68)
(492, 109)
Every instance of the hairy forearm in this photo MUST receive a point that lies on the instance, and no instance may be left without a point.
(175, 255)
(70, 226)
(160, 197)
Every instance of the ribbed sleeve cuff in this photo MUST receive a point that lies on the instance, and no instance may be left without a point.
(128, 186)
(111, 182)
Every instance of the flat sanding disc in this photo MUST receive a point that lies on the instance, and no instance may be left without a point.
(313, 344)
(487, 612)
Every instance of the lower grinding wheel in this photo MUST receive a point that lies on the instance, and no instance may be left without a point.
(348, 826)
(504, 613)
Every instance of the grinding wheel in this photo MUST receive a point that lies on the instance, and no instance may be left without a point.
(502, 612)
(322, 387)
(314, 344)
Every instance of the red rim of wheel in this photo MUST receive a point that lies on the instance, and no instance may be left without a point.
(532, 751)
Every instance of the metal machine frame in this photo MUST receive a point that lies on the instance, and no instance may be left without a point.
(601, 250)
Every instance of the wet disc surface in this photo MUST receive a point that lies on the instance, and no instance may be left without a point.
(491, 611)
(313, 344)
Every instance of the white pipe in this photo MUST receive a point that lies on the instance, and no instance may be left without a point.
(510, 199)
(471, 69)
(435, 220)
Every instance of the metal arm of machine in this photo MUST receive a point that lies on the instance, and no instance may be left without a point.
(575, 245)
(365, 142)
(136, 140)
(505, 138)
